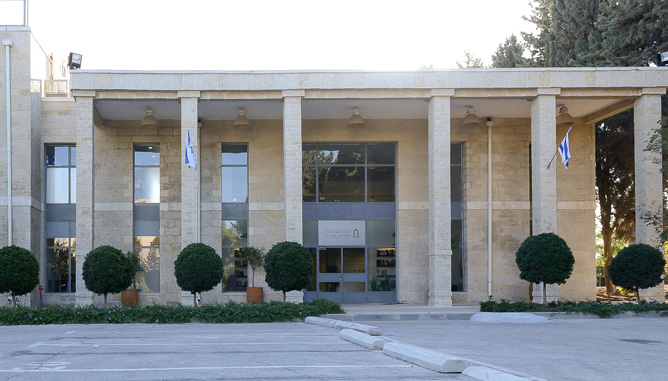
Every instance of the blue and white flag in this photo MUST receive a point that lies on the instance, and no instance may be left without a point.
(565, 150)
(190, 155)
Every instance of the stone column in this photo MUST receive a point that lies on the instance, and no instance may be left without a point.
(292, 163)
(85, 130)
(544, 180)
(649, 198)
(189, 176)
(440, 253)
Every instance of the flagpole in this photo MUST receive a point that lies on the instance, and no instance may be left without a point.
(557, 150)
(199, 183)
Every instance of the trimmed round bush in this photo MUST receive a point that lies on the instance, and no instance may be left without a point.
(198, 268)
(545, 258)
(106, 270)
(19, 271)
(288, 266)
(637, 266)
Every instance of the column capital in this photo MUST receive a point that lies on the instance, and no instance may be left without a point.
(442, 93)
(548, 91)
(293, 93)
(83, 93)
(188, 94)
(653, 91)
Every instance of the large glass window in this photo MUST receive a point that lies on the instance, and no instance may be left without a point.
(457, 226)
(60, 184)
(348, 172)
(147, 215)
(61, 174)
(147, 173)
(234, 195)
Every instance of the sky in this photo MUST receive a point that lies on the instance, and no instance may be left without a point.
(271, 35)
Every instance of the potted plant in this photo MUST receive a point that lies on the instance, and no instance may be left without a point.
(255, 258)
(130, 296)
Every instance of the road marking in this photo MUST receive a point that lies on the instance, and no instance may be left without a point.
(37, 344)
(51, 370)
(174, 344)
(69, 332)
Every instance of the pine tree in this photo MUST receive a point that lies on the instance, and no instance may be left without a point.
(470, 61)
(510, 54)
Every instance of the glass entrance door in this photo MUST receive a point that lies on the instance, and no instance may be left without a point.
(341, 275)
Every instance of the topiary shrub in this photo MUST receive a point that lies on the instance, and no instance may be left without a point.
(19, 271)
(545, 258)
(288, 266)
(198, 268)
(106, 270)
(637, 266)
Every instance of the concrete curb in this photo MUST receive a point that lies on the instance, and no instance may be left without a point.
(483, 373)
(331, 323)
(425, 358)
(401, 317)
(362, 339)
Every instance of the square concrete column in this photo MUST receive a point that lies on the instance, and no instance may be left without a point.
(190, 181)
(544, 180)
(292, 163)
(440, 253)
(85, 129)
(649, 198)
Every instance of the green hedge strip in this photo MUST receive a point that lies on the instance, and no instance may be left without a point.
(230, 312)
(592, 308)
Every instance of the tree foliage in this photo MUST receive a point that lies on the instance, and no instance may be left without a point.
(470, 61)
(288, 266)
(510, 54)
(615, 189)
(19, 271)
(106, 270)
(198, 268)
(638, 266)
(545, 258)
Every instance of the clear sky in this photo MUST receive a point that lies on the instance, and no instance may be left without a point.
(272, 35)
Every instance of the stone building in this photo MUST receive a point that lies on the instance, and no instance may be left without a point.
(377, 173)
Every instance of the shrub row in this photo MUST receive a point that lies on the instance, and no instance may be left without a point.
(230, 312)
(603, 310)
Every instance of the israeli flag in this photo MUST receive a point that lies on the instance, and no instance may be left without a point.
(565, 150)
(190, 155)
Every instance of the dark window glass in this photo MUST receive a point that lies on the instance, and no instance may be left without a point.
(341, 184)
(310, 154)
(57, 156)
(456, 153)
(308, 184)
(381, 153)
(235, 270)
(341, 154)
(380, 184)
(235, 233)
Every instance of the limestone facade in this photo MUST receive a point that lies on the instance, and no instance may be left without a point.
(420, 112)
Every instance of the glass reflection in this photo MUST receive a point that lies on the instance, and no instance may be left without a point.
(380, 184)
(147, 185)
(235, 233)
(341, 184)
(57, 185)
(234, 154)
(235, 184)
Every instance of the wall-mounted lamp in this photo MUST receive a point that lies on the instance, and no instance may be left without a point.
(149, 120)
(471, 119)
(241, 121)
(564, 119)
(356, 120)
(74, 61)
(662, 59)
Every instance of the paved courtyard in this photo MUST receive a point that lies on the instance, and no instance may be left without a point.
(275, 351)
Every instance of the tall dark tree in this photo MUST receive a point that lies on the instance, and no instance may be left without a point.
(615, 190)
(604, 33)
(510, 53)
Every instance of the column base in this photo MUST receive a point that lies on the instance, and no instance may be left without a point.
(440, 299)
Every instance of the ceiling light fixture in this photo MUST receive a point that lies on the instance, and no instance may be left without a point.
(241, 121)
(564, 119)
(471, 119)
(356, 120)
(149, 120)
